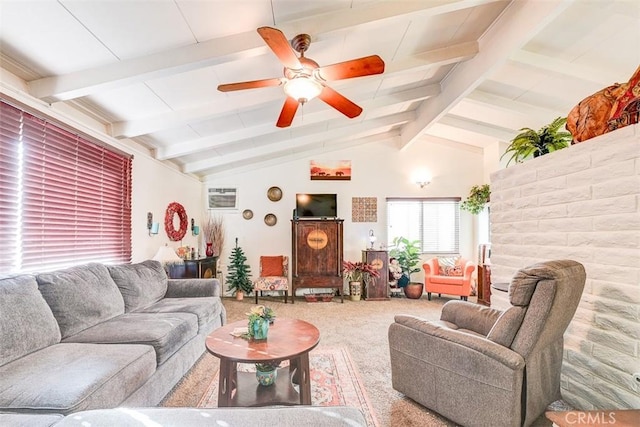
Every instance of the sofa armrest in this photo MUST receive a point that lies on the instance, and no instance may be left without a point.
(464, 340)
(467, 315)
(181, 288)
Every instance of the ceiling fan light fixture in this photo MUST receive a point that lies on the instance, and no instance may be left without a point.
(302, 88)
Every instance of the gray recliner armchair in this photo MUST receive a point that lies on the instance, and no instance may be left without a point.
(480, 366)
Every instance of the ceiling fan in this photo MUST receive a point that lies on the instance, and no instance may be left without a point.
(304, 79)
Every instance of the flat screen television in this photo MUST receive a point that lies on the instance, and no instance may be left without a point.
(316, 206)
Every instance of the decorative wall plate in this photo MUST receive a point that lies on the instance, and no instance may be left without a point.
(247, 214)
(274, 194)
(270, 219)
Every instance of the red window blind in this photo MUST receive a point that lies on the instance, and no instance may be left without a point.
(64, 200)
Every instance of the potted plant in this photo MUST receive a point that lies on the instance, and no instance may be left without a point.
(266, 372)
(239, 275)
(407, 253)
(477, 199)
(529, 142)
(357, 273)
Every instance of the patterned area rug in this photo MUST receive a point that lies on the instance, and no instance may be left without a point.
(335, 381)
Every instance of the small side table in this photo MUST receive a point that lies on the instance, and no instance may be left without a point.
(202, 268)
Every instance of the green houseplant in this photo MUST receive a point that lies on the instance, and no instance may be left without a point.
(407, 253)
(239, 277)
(529, 142)
(477, 199)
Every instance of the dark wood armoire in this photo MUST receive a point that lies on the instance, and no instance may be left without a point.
(316, 254)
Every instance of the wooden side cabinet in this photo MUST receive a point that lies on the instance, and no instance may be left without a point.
(316, 255)
(377, 288)
(203, 268)
(484, 284)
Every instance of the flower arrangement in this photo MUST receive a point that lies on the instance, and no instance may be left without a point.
(259, 319)
(358, 271)
(261, 312)
(267, 366)
(213, 232)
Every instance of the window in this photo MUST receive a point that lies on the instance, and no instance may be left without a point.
(435, 222)
(63, 199)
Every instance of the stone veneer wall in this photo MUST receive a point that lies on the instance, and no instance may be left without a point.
(582, 203)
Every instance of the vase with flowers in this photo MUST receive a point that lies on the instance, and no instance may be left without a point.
(259, 319)
(358, 273)
(267, 372)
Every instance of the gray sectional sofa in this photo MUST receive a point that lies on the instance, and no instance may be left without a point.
(99, 336)
(283, 416)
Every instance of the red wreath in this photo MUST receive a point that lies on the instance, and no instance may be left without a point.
(175, 208)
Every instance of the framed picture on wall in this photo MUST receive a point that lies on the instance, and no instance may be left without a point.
(223, 198)
(337, 170)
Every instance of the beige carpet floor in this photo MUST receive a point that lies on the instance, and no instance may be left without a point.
(360, 326)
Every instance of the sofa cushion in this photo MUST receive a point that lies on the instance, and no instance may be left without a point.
(81, 296)
(290, 416)
(29, 420)
(207, 308)
(140, 284)
(26, 321)
(65, 378)
(166, 332)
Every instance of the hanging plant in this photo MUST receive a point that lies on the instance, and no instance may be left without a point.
(531, 143)
(477, 199)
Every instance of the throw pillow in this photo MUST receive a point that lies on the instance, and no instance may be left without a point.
(449, 266)
(271, 266)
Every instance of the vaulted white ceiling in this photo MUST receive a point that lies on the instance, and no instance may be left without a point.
(465, 71)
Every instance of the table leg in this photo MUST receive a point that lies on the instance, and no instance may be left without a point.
(227, 382)
(301, 377)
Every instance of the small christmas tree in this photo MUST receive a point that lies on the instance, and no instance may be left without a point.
(239, 275)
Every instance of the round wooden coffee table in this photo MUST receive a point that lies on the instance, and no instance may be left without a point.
(288, 339)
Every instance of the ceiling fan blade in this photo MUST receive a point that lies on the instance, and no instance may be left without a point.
(230, 87)
(288, 111)
(279, 44)
(365, 66)
(339, 102)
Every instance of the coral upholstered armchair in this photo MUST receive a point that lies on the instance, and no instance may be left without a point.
(451, 276)
(479, 366)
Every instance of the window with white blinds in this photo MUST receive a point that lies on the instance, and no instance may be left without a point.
(64, 200)
(435, 222)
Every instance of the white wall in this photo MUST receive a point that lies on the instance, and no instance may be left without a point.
(582, 203)
(378, 170)
(155, 184)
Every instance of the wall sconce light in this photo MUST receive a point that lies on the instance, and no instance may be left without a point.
(372, 238)
(422, 177)
(195, 230)
(152, 227)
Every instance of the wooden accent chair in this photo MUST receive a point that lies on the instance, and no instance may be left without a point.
(454, 278)
(481, 366)
(274, 276)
